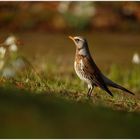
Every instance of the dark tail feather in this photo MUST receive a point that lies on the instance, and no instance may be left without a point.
(109, 92)
(122, 88)
(113, 84)
(104, 87)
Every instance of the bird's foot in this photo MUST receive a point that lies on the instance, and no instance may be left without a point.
(89, 96)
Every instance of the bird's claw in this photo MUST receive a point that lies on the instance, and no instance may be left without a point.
(89, 96)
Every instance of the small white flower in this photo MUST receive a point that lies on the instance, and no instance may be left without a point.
(2, 52)
(63, 6)
(84, 9)
(8, 72)
(136, 58)
(13, 48)
(10, 40)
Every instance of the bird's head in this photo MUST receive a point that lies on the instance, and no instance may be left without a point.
(81, 44)
(79, 41)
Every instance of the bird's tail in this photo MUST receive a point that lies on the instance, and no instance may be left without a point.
(108, 91)
(112, 84)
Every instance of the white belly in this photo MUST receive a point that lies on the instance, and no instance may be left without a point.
(79, 71)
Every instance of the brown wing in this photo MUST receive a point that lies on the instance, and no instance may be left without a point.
(94, 74)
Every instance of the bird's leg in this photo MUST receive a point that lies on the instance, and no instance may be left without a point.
(90, 91)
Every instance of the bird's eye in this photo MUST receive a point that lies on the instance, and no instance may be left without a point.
(77, 40)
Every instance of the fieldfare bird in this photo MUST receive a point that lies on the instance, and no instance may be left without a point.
(87, 70)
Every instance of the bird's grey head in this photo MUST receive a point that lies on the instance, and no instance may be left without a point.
(81, 45)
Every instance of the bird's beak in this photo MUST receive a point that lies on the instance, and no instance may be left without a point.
(72, 38)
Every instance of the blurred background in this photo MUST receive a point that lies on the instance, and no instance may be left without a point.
(40, 94)
(111, 28)
(70, 16)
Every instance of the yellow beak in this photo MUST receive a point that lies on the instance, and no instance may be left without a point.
(72, 38)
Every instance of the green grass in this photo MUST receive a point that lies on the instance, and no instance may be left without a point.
(70, 87)
(28, 115)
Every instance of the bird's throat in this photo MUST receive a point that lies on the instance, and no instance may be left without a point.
(82, 51)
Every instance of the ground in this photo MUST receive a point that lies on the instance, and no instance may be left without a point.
(50, 101)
